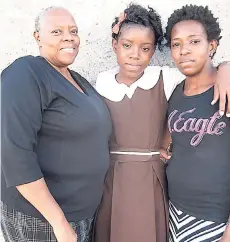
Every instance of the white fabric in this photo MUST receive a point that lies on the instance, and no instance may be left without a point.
(134, 153)
(109, 88)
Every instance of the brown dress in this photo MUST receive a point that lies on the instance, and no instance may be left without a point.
(134, 204)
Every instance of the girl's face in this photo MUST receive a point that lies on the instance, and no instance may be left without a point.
(134, 49)
(190, 48)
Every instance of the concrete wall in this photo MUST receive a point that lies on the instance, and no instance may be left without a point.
(94, 18)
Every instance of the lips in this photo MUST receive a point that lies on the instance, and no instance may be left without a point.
(186, 61)
(133, 66)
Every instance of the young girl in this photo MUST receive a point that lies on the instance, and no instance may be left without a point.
(134, 205)
(199, 170)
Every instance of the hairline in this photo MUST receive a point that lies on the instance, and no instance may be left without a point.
(40, 17)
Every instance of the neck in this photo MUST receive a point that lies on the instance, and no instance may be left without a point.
(63, 70)
(121, 77)
(205, 78)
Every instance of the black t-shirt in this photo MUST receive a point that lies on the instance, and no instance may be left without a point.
(199, 171)
(52, 130)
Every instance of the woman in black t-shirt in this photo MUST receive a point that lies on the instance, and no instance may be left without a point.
(199, 170)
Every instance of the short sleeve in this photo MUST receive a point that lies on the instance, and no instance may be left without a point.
(24, 98)
(171, 77)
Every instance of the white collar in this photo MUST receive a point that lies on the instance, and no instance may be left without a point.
(109, 88)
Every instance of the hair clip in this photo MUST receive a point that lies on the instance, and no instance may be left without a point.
(116, 27)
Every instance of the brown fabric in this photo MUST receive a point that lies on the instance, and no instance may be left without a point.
(134, 204)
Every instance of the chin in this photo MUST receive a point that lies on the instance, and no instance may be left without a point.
(67, 61)
(133, 74)
(188, 72)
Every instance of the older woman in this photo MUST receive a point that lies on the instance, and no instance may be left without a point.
(55, 131)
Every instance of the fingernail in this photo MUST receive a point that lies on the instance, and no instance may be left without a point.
(228, 115)
(213, 102)
(221, 113)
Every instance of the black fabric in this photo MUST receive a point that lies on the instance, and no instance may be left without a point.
(199, 170)
(52, 130)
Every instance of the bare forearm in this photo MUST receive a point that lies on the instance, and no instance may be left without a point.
(166, 138)
(38, 194)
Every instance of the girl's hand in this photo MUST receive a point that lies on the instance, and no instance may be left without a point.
(164, 155)
(222, 89)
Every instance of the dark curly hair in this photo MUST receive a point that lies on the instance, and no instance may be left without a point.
(136, 14)
(197, 13)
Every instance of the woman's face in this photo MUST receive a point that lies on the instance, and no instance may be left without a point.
(58, 38)
(190, 48)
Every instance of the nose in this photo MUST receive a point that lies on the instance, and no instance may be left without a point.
(135, 54)
(67, 36)
(185, 49)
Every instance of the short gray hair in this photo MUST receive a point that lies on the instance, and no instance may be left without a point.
(41, 15)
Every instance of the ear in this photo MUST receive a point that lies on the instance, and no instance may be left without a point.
(114, 45)
(37, 38)
(212, 47)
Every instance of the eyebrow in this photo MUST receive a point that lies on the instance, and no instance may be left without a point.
(190, 36)
(146, 43)
(72, 26)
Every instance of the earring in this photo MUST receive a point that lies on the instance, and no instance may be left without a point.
(212, 53)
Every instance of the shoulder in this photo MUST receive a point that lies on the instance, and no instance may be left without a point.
(25, 72)
(165, 70)
(167, 73)
(171, 74)
(152, 73)
(155, 70)
(108, 74)
(106, 78)
(108, 87)
(23, 66)
(177, 92)
(24, 62)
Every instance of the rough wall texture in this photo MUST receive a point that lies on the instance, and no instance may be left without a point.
(94, 18)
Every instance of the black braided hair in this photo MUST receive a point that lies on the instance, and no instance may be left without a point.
(136, 14)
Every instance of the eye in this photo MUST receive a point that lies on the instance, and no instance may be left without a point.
(146, 49)
(195, 41)
(175, 45)
(56, 31)
(74, 32)
(126, 46)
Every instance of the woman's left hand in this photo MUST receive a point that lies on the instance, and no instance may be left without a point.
(222, 89)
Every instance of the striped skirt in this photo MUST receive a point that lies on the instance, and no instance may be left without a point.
(185, 228)
(17, 226)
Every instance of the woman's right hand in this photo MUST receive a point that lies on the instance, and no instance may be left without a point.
(65, 233)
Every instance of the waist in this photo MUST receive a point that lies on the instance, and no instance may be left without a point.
(216, 212)
(137, 154)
